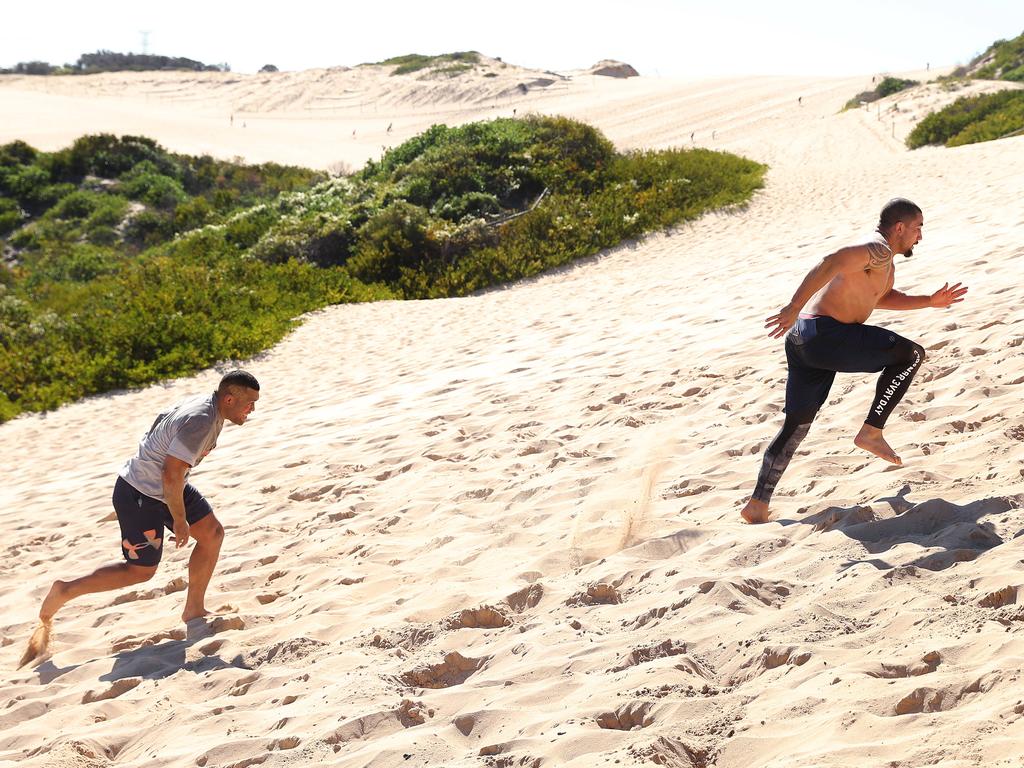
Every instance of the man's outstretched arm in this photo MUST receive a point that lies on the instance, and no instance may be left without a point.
(946, 296)
(851, 259)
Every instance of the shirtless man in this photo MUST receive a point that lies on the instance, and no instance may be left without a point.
(830, 337)
(152, 493)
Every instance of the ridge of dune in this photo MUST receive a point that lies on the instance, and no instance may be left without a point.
(503, 530)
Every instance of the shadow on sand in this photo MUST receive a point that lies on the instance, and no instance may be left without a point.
(154, 661)
(958, 532)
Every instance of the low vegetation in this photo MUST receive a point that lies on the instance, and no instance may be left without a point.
(887, 87)
(970, 119)
(446, 63)
(124, 264)
(109, 61)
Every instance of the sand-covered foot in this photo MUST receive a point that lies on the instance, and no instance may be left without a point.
(38, 644)
(53, 601)
(870, 439)
(755, 511)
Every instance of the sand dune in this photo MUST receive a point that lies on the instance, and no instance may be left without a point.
(503, 530)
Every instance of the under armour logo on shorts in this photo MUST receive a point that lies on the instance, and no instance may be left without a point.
(133, 549)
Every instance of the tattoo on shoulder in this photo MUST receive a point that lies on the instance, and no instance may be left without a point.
(879, 255)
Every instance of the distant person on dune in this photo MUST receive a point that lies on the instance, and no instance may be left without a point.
(830, 337)
(152, 493)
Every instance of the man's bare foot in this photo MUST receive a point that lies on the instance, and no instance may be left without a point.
(755, 512)
(190, 614)
(870, 439)
(53, 601)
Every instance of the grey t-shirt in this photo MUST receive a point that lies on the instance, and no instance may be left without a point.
(188, 431)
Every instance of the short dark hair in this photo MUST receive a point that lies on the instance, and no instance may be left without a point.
(896, 210)
(237, 378)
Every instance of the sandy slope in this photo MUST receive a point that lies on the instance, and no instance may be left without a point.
(504, 530)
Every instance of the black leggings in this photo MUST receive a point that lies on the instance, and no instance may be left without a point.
(816, 349)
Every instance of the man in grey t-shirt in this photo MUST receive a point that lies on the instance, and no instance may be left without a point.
(152, 493)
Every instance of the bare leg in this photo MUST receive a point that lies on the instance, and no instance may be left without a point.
(755, 511)
(101, 580)
(209, 534)
(870, 439)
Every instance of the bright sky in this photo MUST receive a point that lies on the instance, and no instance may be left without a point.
(667, 38)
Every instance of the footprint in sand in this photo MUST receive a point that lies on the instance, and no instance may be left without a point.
(596, 594)
(134, 642)
(117, 689)
(682, 489)
(540, 447)
(310, 494)
(770, 658)
(211, 648)
(927, 664)
(176, 585)
(525, 598)
(241, 687)
(649, 653)
(1001, 597)
(337, 517)
(944, 699)
(454, 670)
(205, 627)
(484, 617)
(479, 493)
(391, 473)
(628, 717)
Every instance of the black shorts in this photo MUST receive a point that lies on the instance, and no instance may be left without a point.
(819, 347)
(143, 519)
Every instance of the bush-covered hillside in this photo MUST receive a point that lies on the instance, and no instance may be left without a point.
(887, 87)
(455, 210)
(125, 264)
(1004, 60)
(971, 119)
(90, 298)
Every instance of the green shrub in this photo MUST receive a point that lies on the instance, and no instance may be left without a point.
(147, 228)
(144, 182)
(108, 157)
(891, 85)
(10, 215)
(969, 119)
(77, 262)
(995, 125)
(16, 153)
(887, 87)
(76, 205)
(244, 230)
(397, 237)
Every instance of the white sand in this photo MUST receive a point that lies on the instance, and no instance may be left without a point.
(504, 530)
